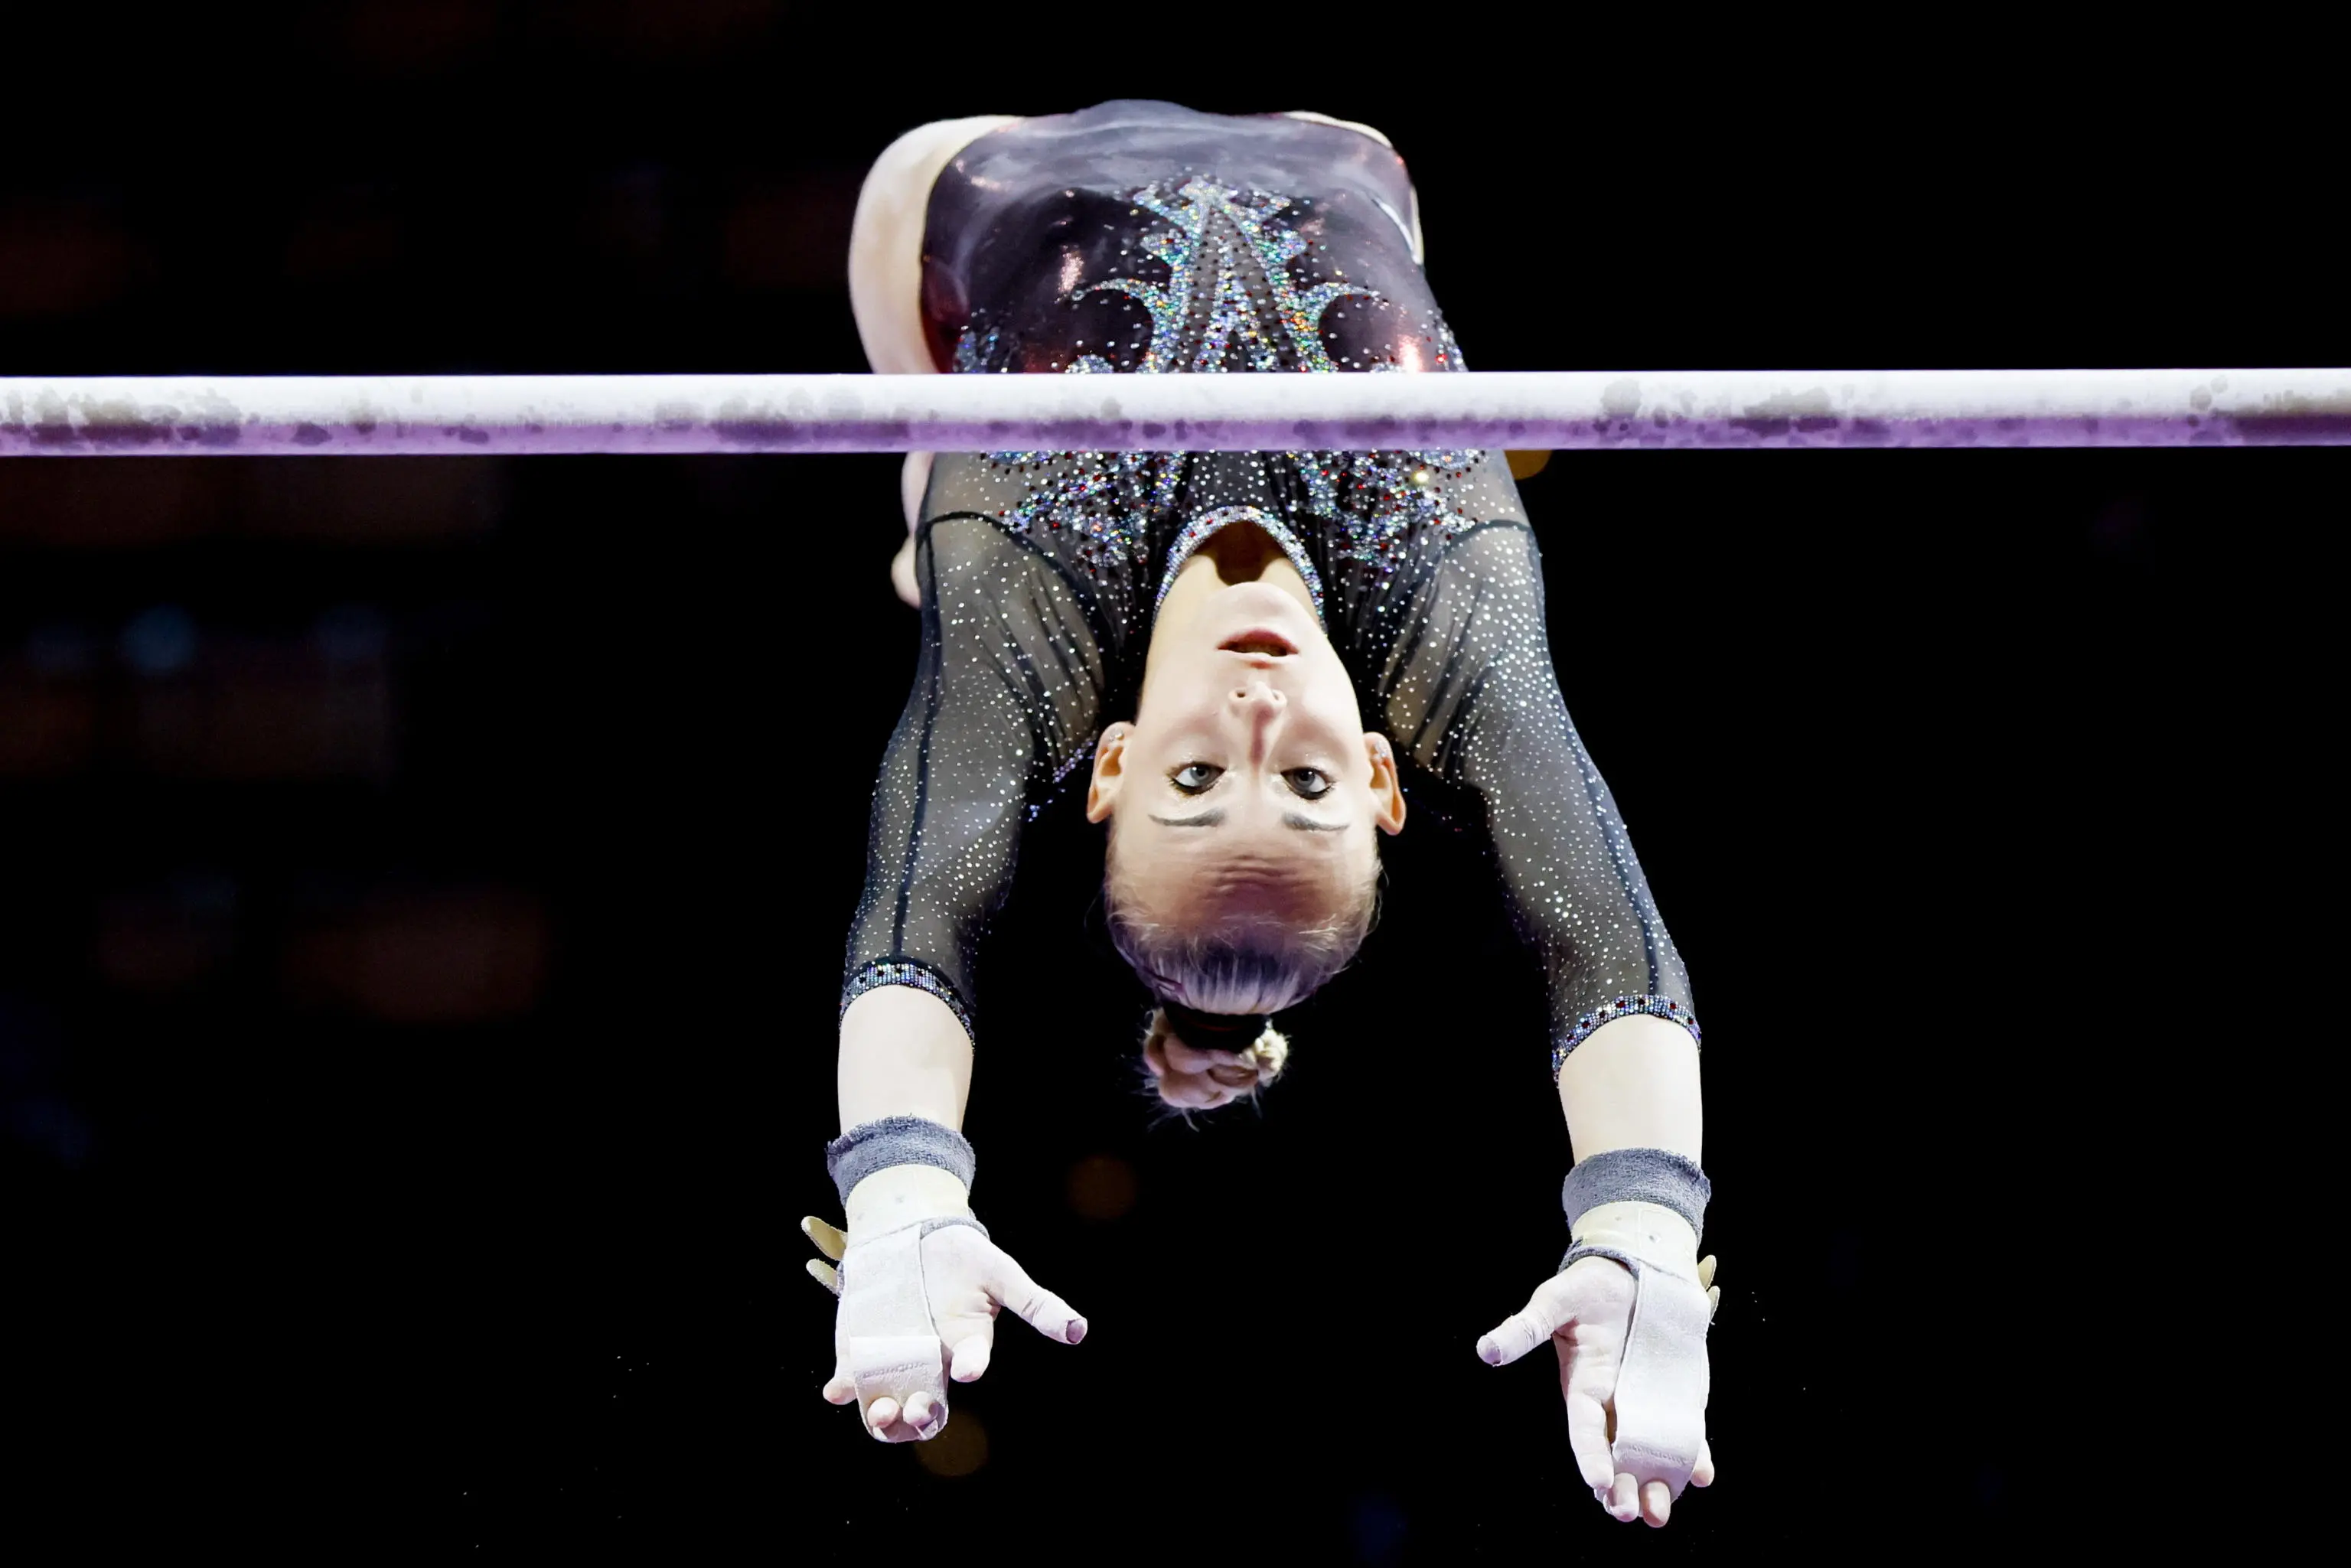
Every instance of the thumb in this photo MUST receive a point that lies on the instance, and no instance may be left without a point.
(1011, 1286)
(1543, 1316)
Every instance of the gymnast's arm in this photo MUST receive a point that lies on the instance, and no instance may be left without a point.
(1001, 689)
(1476, 702)
(1006, 691)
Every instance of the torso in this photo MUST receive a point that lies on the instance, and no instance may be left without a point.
(1142, 239)
(887, 239)
(1142, 236)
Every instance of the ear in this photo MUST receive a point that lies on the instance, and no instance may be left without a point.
(1110, 773)
(1387, 794)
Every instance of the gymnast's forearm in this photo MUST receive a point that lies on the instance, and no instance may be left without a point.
(902, 1053)
(1634, 1084)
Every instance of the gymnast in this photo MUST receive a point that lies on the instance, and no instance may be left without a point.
(1250, 663)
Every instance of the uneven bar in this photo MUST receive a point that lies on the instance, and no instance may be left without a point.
(1574, 409)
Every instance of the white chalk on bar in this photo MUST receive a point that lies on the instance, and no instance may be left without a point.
(1565, 410)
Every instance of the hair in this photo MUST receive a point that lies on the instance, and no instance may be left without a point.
(1257, 967)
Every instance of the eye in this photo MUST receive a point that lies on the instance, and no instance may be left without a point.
(1193, 777)
(1309, 783)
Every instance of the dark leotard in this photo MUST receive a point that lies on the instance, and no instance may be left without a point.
(1142, 238)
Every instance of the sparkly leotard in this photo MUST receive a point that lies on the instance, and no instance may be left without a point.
(1142, 238)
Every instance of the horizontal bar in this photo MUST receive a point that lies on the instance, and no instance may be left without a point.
(1571, 410)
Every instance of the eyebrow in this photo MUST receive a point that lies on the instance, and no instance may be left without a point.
(1214, 818)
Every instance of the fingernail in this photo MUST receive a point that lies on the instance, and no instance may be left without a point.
(1077, 1330)
(1488, 1352)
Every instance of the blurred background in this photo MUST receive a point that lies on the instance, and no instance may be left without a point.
(423, 881)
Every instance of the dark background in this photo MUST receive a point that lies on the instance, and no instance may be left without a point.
(422, 881)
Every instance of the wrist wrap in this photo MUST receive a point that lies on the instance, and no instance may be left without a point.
(1637, 1175)
(895, 1141)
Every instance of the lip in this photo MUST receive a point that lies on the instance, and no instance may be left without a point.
(1259, 643)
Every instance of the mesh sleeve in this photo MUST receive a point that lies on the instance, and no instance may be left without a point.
(1471, 697)
(1005, 705)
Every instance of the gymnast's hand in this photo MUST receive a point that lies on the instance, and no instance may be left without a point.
(1586, 1313)
(917, 1310)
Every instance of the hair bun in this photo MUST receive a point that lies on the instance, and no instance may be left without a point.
(1259, 1064)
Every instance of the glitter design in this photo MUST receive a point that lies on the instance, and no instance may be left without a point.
(1208, 525)
(905, 972)
(1041, 570)
(1101, 502)
(1229, 301)
(1228, 264)
(972, 351)
(1382, 500)
(1621, 1008)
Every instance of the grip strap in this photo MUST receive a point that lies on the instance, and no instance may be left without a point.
(900, 1356)
(1662, 1382)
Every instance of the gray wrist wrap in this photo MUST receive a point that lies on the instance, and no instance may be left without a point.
(895, 1141)
(1639, 1175)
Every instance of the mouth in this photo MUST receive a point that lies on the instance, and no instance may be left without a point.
(1259, 642)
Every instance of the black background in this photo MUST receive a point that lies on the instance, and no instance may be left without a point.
(421, 883)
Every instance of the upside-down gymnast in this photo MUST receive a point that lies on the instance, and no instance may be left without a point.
(1250, 663)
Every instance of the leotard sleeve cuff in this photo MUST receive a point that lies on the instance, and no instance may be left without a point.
(1616, 1008)
(880, 972)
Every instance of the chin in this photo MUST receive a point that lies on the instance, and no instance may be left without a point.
(1258, 598)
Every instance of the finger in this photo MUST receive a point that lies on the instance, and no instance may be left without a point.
(968, 1359)
(840, 1389)
(898, 1431)
(828, 1240)
(1011, 1286)
(1587, 1441)
(825, 1275)
(1705, 1272)
(1703, 1473)
(881, 1415)
(1623, 1501)
(1656, 1502)
(926, 1414)
(1523, 1331)
(1713, 1302)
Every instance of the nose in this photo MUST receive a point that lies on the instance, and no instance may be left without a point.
(1259, 706)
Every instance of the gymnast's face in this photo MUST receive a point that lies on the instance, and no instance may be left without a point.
(1245, 788)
